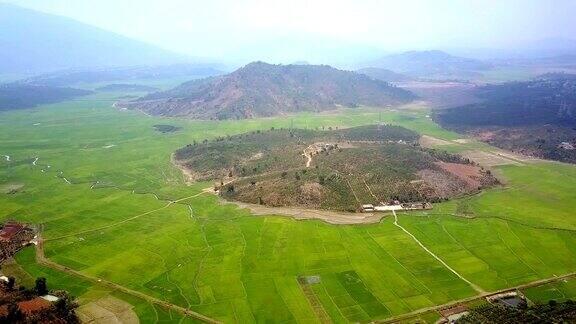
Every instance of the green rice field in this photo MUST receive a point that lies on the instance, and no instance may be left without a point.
(100, 184)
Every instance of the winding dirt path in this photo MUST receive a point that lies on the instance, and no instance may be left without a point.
(308, 159)
(476, 287)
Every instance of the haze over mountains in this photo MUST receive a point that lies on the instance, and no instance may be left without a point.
(384, 74)
(87, 75)
(426, 63)
(260, 89)
(31, 41)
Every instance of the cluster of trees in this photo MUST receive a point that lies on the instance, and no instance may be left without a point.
(448, 157)
(552, 312)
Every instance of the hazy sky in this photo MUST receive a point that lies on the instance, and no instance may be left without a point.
(217, 28)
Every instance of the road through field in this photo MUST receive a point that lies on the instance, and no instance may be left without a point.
(406, 317)
(476, 287)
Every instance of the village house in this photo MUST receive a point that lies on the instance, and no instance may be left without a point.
(14, 236)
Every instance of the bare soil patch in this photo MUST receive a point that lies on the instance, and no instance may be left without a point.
(490, 159)
(429, 141)
(331, 217)
(438, 183)
(189, 176)
(107, 309)
(468, 173)
(11, 188)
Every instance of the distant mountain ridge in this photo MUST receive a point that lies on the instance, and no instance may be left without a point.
(260, 90)
(74, 76)
(384, 75)
(427, 63)
(32, 41)
(18, 96)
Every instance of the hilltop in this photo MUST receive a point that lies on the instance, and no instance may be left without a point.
(336, 169)
(260, 90)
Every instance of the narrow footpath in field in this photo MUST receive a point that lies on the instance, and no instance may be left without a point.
(308, 158)
(476, 287)
(41, 259)
(127, 219)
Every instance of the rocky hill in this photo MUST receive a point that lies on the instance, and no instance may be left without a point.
(260, 90)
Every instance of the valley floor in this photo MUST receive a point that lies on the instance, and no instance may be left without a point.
(120, 222)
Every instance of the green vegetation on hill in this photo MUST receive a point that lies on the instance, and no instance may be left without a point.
(331, 169)
(260, 90)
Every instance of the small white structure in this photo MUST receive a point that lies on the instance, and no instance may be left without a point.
(4, 278)
(50, 298)
(383, 208)
(566, 146)
(367, 208)
(34, 240)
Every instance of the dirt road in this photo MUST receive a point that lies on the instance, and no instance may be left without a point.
(477, 288)
(405, 317)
